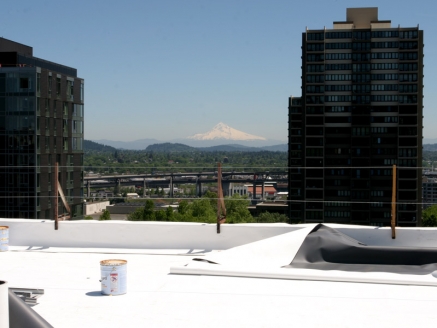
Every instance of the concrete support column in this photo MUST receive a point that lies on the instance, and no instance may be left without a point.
(226, 188)
(171, 193)
(262, 191)
(144, 187)
(199, 188)
(254, 189)
(88, 188)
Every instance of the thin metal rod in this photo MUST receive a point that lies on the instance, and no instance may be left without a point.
(219, 195)
(393, 205)
(55, 182)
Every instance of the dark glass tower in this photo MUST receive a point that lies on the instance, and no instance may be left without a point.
(360, 113)
(41, 123)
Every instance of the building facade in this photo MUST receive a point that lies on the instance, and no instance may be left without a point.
(263, 191)
(360, 113)
(429, 190)
(41, 123)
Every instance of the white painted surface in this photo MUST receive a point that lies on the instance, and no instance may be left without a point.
(70, 277)
(181, 235)
(97, 207)
(133, 235)
(158, 299)
(273, 252)
(266, 258)
(201, 268)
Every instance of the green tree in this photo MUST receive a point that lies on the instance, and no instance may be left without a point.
(105, 215)
(160, 215)
(236, 209)
(169, 214)
(212, 196)
(429, 217)
(137, 215)
(183, 207)
(148, 212)
(202, 210)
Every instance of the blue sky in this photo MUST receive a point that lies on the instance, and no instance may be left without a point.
(169, 69)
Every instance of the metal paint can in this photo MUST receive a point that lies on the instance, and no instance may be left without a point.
(4, 238)
(114, 277)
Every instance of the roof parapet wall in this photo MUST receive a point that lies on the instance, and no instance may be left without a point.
(12, 46)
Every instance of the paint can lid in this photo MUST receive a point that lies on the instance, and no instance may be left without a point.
(113, 262)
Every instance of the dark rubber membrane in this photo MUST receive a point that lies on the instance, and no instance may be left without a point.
(326, 248)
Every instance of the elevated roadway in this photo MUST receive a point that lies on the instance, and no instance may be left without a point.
(168, 179)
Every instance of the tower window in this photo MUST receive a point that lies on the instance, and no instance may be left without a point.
(24, 83)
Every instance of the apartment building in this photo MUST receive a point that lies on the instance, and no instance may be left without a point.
(359, 114)
(41, 123)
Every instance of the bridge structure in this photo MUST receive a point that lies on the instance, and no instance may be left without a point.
(169, 179)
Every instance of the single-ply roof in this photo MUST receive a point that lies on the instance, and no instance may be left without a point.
(70, 274)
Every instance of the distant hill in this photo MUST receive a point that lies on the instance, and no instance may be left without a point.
(169, 147)
(281, 147)
(144, 143)
(429, 147)
(177, 147)
(140, 144)
(89, 145)
(429, 141)
(220, 142)
(236, 147)
(233, 147)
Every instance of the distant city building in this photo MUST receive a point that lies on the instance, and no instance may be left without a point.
(429, 190)
(359, 114)
(132, 195)
(237, 189)
(102, 194)
(260, 192)
(248, 190)
(41, 123)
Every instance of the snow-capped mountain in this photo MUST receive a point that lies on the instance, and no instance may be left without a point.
(221, 134)
(225, 132)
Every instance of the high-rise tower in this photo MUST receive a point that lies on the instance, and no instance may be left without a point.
(41, 123)
(360, 113)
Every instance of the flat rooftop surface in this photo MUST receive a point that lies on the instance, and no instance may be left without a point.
(155, 298)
